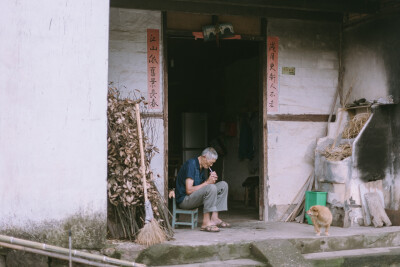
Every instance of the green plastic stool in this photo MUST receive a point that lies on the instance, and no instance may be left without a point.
(194, 215)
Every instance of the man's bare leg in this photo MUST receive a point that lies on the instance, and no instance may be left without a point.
(214, 218)
(206, 220)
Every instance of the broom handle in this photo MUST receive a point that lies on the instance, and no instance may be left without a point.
(142, 164)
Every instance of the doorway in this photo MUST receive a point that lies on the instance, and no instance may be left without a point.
(218, 83)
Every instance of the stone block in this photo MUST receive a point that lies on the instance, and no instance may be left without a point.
(279, 253)
(338, 215)
(355, 216)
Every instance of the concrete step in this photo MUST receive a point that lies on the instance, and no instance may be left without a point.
(275, 253)
(235, 263)
(366, 257)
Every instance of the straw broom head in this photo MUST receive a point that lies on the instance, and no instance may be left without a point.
(151, 234)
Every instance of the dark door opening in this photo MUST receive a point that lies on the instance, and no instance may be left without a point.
(221, 84)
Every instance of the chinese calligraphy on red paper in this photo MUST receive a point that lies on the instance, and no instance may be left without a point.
(153, 68)
(272, 74)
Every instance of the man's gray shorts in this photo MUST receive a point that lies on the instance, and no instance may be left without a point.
(214, 197)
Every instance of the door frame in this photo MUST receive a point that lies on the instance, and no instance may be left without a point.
(263, 142)
(164, 37)
(263, 131)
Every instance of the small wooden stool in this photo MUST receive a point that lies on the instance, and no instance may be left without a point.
(194, 215)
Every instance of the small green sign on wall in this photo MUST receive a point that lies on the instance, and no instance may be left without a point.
(289, 70)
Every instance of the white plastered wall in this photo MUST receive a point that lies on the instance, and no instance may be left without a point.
(128, 68)
(312, 48)
(53, 103)
(365, 71)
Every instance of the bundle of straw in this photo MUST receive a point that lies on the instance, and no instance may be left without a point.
(355, 125)
(337, 153)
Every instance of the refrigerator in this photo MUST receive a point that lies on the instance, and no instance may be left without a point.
(194, 134)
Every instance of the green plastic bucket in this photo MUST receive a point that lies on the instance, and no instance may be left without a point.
(314, 198)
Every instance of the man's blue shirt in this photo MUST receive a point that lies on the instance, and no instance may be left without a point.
(190, 169)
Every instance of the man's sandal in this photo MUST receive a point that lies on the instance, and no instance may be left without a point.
(210, 228)
(223, 224)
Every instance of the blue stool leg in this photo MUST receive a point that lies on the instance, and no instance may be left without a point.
(196, 218)
(192, 217)
(173, 213)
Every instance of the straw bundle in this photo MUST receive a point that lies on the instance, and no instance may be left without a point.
(337, 153)
(355, 125)
(125, 187)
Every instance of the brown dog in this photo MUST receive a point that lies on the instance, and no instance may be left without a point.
(321, 217)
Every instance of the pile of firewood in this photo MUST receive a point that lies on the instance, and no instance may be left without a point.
(125, 188)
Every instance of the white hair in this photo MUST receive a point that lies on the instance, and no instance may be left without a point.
(210, 153)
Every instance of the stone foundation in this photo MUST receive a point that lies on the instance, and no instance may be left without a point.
(88, 231)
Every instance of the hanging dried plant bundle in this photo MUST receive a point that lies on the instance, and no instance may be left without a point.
(337, 153)
(125, 187)
(355, 125)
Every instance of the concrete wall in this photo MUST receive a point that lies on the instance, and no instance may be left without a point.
(312, 48)
(371, 58)
(53, 124)
(128, 68)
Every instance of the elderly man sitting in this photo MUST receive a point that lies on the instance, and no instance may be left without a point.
(193, 189)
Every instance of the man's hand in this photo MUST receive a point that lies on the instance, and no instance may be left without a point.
(212, 179)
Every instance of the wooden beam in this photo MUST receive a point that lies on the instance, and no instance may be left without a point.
(165, 104)
(301, 117)
(188, 35)
(263, 130)
(341, 6)
(389, 11)
(224, 9)
(157, 115)
(260, 7)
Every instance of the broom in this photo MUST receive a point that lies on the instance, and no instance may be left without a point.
(151, 233)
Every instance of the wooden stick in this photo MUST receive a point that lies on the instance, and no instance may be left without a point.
(302, 191)
(348, 94)
(300, 217)
(293, 214)
(341, 68)
(53, 255)
(337, 130)
(60, 250)
(298, 192)
(341, 116)
(339, 89)
(332, 109)
(142, 163)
